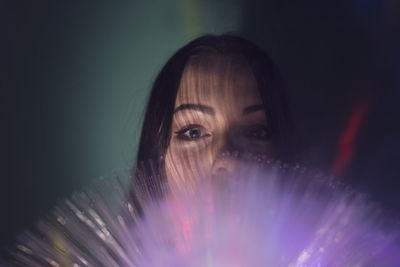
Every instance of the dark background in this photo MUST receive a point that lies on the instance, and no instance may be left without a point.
(75, 75)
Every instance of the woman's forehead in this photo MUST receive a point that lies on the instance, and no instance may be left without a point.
(214, 81)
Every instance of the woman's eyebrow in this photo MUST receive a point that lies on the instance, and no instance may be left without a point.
(253, 108)
(199, 107)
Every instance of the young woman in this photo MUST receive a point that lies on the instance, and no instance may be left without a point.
(216, 100)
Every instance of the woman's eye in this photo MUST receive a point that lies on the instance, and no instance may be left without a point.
(258, 133)
(192, 132)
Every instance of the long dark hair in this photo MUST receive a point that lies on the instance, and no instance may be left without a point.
(156, 131)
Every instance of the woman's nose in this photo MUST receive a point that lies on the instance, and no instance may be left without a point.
(222, 169)
(226, 157)
(224, 162)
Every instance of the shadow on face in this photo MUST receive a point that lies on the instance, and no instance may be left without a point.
(219, 117)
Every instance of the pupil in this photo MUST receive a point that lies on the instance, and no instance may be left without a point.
(259, 133)
(195, 133)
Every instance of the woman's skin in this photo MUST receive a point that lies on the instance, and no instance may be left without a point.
(218, 117)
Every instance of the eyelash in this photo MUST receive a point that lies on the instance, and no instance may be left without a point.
(182, 134)
(256, 132)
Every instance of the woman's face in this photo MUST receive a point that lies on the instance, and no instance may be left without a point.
(218, 118)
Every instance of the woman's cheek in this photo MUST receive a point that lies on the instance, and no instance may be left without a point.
(187, 164)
